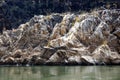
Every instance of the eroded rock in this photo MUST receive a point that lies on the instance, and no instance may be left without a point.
(91, 38)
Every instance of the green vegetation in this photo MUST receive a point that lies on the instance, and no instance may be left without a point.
(16, 12)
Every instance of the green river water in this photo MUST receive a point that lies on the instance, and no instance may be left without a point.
(60, 73)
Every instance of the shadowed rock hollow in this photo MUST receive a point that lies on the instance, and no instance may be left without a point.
(89, 38)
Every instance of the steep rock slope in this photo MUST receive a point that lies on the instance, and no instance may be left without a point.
(89, 38)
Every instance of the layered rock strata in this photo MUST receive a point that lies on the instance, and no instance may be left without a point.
(89, 38)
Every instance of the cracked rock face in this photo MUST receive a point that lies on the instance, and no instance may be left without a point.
(90, 38)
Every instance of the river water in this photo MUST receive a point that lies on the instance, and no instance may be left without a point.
(60, 73)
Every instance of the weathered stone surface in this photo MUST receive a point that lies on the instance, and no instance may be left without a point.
(90, 38)
(87, 60)
(9, 60)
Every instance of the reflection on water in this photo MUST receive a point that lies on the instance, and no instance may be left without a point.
(60, 73)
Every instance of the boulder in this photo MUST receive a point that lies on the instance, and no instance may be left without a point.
(87, 60)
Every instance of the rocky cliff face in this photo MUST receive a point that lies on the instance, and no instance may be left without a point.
(89, 38)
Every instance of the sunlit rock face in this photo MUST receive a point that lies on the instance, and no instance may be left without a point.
(89, 38)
